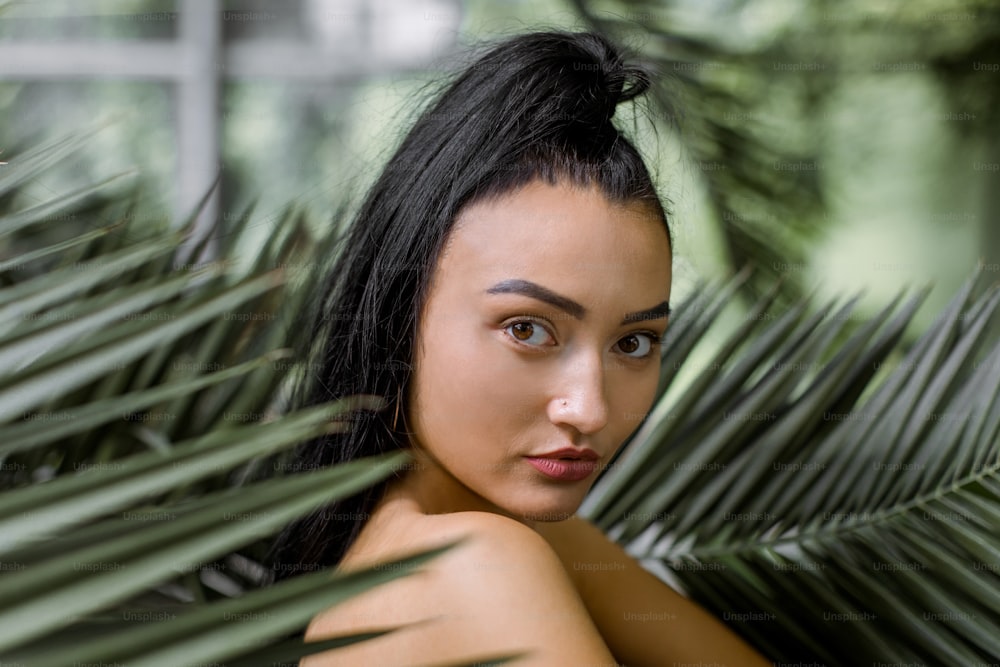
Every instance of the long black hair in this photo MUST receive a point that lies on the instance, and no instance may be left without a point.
(535, 106)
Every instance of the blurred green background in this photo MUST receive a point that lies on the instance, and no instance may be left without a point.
(836, 146)
(852, 146)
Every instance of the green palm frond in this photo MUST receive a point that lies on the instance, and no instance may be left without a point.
(137, 395)
(751, 90)
(756, 151)
(830, 502)
(830, 497)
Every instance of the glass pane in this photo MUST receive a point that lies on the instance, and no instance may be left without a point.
(89, 20)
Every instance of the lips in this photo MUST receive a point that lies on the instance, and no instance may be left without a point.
(567, 464)
(570, 453)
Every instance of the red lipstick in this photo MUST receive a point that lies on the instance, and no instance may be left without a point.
(567, 464)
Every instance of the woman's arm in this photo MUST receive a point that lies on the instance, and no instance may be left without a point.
(644, 621)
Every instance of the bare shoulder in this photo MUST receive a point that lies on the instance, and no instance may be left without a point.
(495, 538)
(502, 591)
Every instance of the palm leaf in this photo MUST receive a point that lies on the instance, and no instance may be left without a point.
(109, 332)
(832, 493)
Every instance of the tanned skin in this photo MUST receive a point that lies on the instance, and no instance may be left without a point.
(528, 342)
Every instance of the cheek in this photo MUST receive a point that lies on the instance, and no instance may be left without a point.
(470, 389)
(631, 397)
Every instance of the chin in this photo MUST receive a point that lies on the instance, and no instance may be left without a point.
(551, 505)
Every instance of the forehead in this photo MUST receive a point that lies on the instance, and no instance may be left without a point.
(555, 231)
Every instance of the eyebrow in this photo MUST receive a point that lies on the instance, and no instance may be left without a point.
(567, 305)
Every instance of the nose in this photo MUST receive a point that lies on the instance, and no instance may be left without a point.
(581, 401)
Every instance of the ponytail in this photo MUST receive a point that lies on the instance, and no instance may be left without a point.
(537, 106)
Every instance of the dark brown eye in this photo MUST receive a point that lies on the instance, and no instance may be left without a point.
(629, 344)
(639, 345)
(529, 333)
(522, 330)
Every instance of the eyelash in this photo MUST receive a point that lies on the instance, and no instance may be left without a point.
(655, 339)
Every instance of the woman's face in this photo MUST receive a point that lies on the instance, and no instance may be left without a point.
(538, 334)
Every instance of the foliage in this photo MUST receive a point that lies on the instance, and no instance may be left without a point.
(829, 499)
(138, 399)
(748, 86)
(830, 502)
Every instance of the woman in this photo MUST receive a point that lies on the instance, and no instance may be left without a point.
(506, 282)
